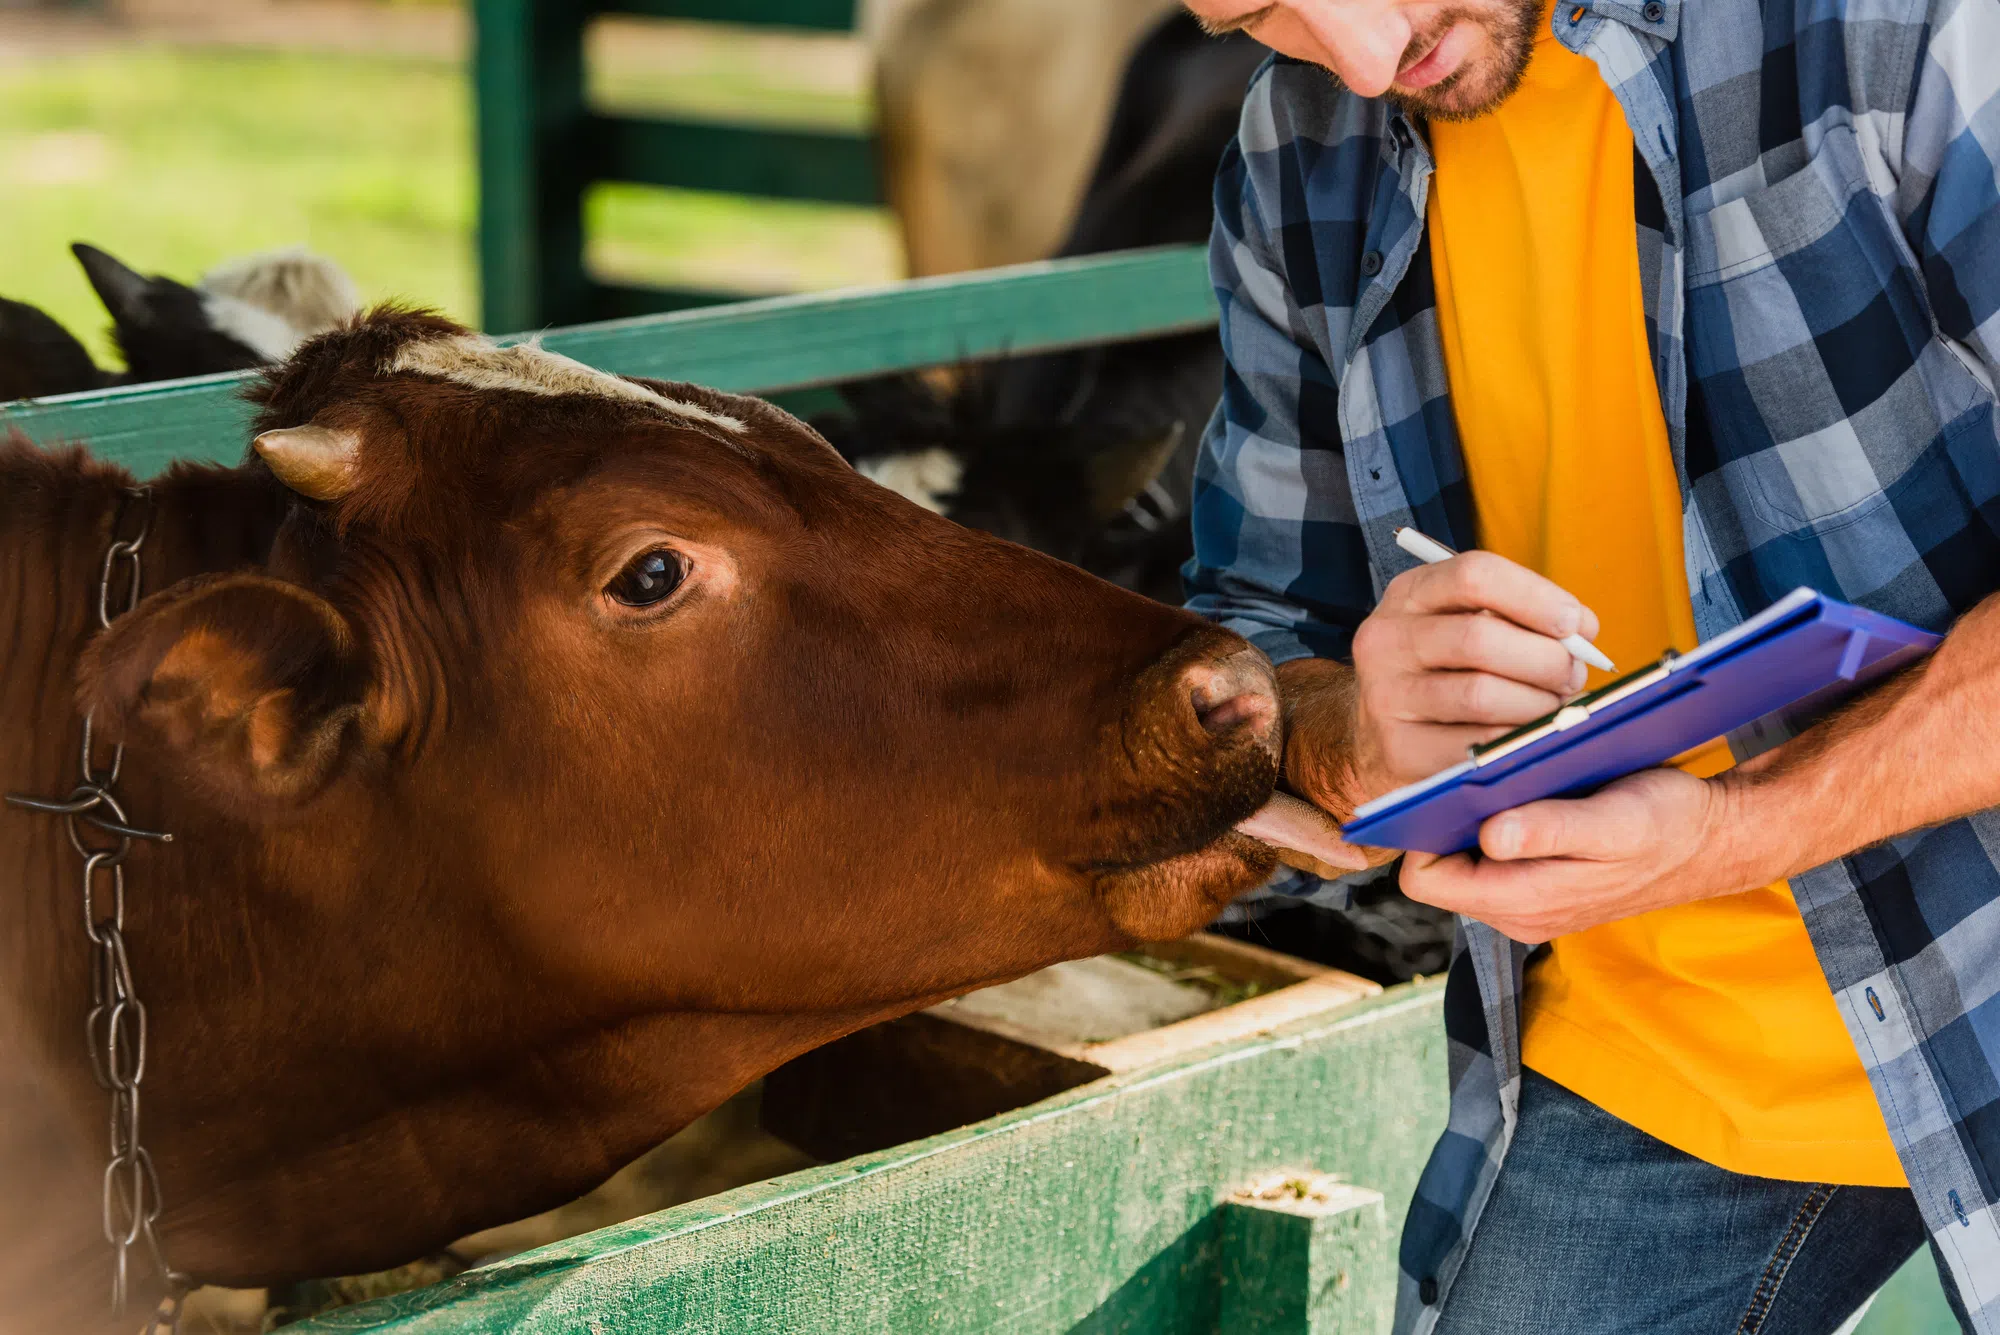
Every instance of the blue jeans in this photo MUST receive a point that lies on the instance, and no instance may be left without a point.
(1595, 1227)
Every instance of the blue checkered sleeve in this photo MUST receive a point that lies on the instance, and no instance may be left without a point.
(1278, 553)
(1949, 191)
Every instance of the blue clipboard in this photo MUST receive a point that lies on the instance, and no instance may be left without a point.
(1804, 650)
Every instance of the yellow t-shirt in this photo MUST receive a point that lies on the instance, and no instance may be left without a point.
(1708, 1025)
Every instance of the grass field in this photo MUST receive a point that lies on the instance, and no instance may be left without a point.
(174, 158)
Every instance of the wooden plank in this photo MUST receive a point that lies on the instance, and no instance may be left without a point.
(994, 1051)
(1273, 1010)
(1321, 1262)
(1241, 961)
(145, 427)
(1092, 1212)
(834, 166)
(830, 15)
(756, 347)
(816, 339)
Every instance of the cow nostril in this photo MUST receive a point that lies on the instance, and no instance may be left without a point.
(1234, 695)
(1252, 709)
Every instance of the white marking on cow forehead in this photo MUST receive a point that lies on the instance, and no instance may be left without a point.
(475, 361)
(929, 477)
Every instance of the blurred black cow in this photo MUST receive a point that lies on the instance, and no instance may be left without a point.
(245, 313)
(1087, 455)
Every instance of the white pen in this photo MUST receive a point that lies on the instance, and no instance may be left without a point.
(1430, 551)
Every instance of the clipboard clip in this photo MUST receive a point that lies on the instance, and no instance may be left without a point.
(1577, 711)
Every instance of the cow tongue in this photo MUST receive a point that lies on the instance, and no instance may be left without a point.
(1297, 827)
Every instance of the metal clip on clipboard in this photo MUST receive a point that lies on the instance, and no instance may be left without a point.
(1573, 713)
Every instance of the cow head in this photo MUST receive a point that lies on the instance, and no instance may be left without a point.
(645, 681)
(243, 313)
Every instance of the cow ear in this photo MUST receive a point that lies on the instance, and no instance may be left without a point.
(121, 288)
(1120, 473)
(247, 688)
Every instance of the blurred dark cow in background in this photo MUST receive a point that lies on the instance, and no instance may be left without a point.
(990, 114)
(245, 313)
(1087, 455)
(547, 755)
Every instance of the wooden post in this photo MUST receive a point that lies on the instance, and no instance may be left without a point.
(541, 148)
(1305, 1255)
(533, 162)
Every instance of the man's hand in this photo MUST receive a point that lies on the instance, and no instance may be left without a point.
(1650, 840)
(1455, 653)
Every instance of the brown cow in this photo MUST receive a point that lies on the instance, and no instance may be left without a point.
(547, 754)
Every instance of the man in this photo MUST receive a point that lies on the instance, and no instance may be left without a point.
(1668, 308)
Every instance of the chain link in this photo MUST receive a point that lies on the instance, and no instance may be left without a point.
(115, 1026)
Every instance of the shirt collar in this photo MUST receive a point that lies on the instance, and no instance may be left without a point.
(1655, 18)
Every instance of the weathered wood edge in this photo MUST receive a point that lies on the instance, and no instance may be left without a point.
(440, 1308)
(1317, 996)
(755, 347)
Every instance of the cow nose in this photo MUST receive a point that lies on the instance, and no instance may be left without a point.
(1235, 696)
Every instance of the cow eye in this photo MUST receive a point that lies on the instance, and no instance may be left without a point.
(648, 578)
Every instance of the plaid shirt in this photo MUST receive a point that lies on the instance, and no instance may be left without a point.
(1819, 246)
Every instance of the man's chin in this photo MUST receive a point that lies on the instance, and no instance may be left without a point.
(1486, 77)
(1466, 95)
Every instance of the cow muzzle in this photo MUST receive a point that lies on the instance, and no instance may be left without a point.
(1235, 700)
(1198, 749)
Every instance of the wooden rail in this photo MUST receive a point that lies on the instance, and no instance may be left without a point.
(1103, 1209)
(760, 347)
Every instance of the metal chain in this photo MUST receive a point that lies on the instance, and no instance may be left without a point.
(115, 1027)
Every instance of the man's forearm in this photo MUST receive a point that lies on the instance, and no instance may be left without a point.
(1922, 749)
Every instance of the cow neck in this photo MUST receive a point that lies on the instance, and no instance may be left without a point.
(58, 513)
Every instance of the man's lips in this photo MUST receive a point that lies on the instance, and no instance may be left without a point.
(1438, 63)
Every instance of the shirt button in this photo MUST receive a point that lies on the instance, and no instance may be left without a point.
(1371, 264)
(1654, 11)
(1427, 1290)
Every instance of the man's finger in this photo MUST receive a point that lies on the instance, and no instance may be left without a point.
(1602, 826)
(1475, 642)
(1459, 883)
(1474, 698)
(1513, 898)
(1414, 753)
(1481, 581)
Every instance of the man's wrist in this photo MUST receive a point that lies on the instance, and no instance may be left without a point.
(1752, 839)
(1321, 761)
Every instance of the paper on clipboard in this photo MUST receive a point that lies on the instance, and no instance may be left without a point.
(1805, 650)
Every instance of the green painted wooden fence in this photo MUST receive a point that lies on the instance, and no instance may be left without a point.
(1092, 1212)
(541, 147)
(764, 347)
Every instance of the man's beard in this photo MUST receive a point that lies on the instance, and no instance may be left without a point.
(1479, 85)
